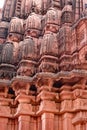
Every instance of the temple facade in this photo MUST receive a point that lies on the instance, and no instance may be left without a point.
(43, 65)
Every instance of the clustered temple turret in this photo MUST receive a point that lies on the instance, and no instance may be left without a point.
(43, 65)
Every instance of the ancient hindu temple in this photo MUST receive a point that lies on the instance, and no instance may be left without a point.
(43, 65)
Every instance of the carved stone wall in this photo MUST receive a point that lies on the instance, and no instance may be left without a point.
(43, 65)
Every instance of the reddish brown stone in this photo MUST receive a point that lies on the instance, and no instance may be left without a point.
(43, 65)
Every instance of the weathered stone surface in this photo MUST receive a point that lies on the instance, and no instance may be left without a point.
(43, 65)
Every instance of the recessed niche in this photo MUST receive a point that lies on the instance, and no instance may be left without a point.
(11, 92)
(33, 88)
(57, 84)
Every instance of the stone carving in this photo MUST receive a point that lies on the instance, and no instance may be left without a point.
(26, 7)
(8, 10)
(67, 14)
(6, 53)
(16, 25)
(33, 25)
(16, 29)
(49, 53)
(8, 59)
(28, 56)
(52, 20)
(43, 65)
(3, 31)
(37, 5)
(46, 4)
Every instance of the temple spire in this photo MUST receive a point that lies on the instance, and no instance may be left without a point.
(8, 10)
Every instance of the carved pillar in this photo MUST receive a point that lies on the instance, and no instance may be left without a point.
(80, 120)
(80, 106)
(24, 111)
(47, 121)
(67, 121)
(39, 125)
(24, 122)
(78, 127)
(66, 107)
(47, 107)
(25, 100)
(5, 112)
(3, 123)
(85, 126)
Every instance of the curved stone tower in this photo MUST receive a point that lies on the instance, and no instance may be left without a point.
(43, 65)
